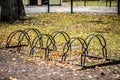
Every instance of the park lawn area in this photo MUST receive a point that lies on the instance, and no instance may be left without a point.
(93, 3)
(76, 25)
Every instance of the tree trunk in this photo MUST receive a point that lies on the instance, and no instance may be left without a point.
(12, 10)
(118, 6)
(21, 11)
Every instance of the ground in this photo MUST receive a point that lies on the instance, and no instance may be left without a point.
(14, 66)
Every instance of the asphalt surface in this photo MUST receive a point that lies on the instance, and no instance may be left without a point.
(86, 9)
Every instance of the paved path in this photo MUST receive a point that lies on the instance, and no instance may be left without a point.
(88, 9)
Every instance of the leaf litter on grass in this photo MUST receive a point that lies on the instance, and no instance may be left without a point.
(76, 25)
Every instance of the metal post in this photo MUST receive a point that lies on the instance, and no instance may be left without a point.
(118, 6)
(85, 2)
(71, 6)
(110, 3)
(60, 2)
(48, 6)
(106, 2)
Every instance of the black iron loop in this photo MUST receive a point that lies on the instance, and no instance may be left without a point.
(102, 42)
(37, 32)
(68, 45)
(50, 43)
(64, 34)
(19, 44)
(47, 47)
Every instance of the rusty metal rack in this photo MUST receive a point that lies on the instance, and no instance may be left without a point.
(50, 44)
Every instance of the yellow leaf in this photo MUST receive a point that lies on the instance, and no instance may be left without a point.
(11, 78)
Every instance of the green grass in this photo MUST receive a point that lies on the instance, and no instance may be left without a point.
(93, 3)
(76, 25)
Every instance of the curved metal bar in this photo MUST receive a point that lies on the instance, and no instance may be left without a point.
(89, 37)
(92, 36)
(98, 36)
(65, 52)
(11, 35)
(56, 32)
(81, 40)
(84, 48)
(37, 33)
(40, 37)
(33, 29)
(69, 43)
(34, 42)
(20, 39)
(19, 48)
(21, 36)
(104, 50)
(64, 34)
(101, 40)
(53, 42)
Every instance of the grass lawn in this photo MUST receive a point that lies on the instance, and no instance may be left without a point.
(76, 25)
(93, 3)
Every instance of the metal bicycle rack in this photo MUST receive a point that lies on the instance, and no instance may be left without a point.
(101, 41)
(104, 56)
(21, 34)
(68, 45)
(85, 43)
(64, 35)
(46, 47)
(20, 37)
(50, 44)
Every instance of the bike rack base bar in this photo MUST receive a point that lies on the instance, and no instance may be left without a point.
(102, 64)
(100, 58)
(16, 46)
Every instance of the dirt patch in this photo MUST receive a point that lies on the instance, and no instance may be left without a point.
(14, 66)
